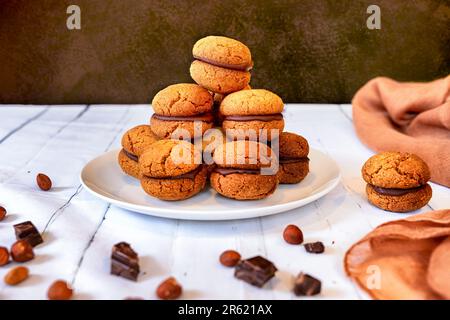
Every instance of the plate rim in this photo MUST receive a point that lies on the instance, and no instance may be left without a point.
(232, 214)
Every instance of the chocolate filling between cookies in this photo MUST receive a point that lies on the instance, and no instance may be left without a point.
(227, 171)
(205, 117)
(395, 191)
(130, 155)
(260, 117)
(286, 160)
(224, 65)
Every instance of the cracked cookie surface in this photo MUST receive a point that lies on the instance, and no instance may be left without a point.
(137, 139)
(169, 158)
(251, 102)
(223, 50)
(218, 79)
(183, 99)
(395, 170)
(290, 173)
(166, 129)
(129, 166)
(292, 145)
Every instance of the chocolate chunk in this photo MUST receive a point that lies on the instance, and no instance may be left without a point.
(28, 232)
(315, 247)
(255, 271)
(124, 261)
(306, 285)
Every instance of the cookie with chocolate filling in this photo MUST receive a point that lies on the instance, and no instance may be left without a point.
(182, 109)
(218, 98)
(172, 170)
(293, 158)
(221, 64)
(134, 142)
(243, 170)
(397, 181)
(252, 114)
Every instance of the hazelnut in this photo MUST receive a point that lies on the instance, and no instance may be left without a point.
(169, 289)
(16, 275)
(2, 213)
(59, 290)
(4, 256)
(43, 182)
(293, 235)
(229, 258)
(22, 251)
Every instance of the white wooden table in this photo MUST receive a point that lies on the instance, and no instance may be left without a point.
(79, 230)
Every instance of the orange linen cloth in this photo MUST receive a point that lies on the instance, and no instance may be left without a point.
(407, 117)
(404, 259)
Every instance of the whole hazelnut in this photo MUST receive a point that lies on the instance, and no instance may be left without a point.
(59, 290)
(293, 235)
(2, 213)
(169, 289)
(229, 258)
(16, 275)
(4, 256)
(22, 251)
(43, 182)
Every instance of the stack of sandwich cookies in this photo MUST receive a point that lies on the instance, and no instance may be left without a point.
(134, 142)
(178, 108)
(293, 158)
(238, 173)
(249, 113)
(397, 181)
(222, 64)
(170, 170)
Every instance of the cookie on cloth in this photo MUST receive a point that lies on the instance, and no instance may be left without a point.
(293, 158)
(172, 170)
(248, 113)
(221, 64)
(397, 181)
(239, 170)
(134, 142)
(179, 108)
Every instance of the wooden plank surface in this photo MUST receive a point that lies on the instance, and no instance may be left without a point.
(79, 230)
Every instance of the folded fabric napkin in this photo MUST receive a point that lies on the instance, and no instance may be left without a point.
(404, 259)
(407, 117)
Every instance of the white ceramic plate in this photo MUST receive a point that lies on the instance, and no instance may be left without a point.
(103, 178)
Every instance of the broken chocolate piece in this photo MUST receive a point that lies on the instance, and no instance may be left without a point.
(306, 285)
(255, 271)
(124, 261)
(315, 247)
(28, 232)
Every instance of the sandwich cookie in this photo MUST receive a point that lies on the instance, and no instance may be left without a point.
(221, 64)
(218, 98)
(134, 142)
(397, 181)
(293, 158)
(179, 108)
(238, 173)
(172, 170)
(250, 114)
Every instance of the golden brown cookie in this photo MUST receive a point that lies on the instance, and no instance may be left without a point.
(169, 158)
(182, 110)
(396, 170)
(176, 188)
(218, 79)
(397, 181)
(134, 142)
(223, 52)
(182, 99)
(293, 155)
(242, 170)
(412, 200)
(128, 165)
(218, 98)
(252, 113)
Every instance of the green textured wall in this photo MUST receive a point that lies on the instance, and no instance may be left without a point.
(306, 51)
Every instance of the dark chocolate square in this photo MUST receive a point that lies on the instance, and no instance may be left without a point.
(255, 271)
(124, 261)
(28, 232)
(306, 285)
(315, 247)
